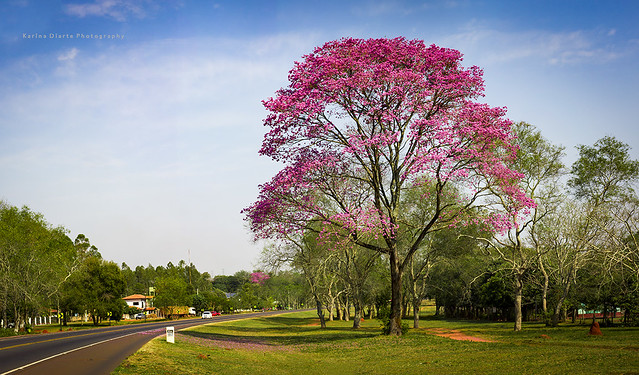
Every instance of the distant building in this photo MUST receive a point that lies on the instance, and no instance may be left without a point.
(140, 301)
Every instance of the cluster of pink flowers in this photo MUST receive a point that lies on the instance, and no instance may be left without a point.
(259, 277)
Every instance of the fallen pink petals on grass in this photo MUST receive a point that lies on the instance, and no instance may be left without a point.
(157, 331)
(232, 343)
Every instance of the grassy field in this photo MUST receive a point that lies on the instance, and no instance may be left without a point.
(294, 344)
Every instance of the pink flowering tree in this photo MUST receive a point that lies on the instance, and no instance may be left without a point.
(363, 122)
(258, 277)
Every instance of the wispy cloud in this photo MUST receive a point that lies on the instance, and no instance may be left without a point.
(68, 55)
(552, 48)
(399, 7)
(120, 10)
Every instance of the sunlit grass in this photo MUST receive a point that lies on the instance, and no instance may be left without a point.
(294, 343)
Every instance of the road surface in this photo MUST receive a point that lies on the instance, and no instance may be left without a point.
(94, 351)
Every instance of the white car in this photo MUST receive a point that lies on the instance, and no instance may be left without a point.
(207, 315)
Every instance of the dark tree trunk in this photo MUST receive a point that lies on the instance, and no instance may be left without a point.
(320, 312)
(396, 296)
(357, 319)
(405, 306)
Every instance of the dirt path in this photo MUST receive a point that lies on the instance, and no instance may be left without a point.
(455, 335)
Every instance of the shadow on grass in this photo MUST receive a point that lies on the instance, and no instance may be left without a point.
(282, 330)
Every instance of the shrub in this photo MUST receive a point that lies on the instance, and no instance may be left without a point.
(4, 332)
(383, 314)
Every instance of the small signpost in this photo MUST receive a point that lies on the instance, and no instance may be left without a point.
(170, 335)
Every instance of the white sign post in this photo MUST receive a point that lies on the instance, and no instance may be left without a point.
(170, 335)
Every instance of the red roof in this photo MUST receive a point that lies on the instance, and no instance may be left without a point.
(137, 296)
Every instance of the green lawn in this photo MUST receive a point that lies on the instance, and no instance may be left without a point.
(294, 344)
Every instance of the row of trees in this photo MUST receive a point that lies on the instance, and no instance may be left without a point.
(42, 268)
(388, 157)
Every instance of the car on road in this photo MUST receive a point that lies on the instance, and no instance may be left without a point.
(215, 313)
(207, 315)
(139, 316)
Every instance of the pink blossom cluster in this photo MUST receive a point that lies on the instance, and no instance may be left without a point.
(258, 277)
(366, 221)
(363, 119)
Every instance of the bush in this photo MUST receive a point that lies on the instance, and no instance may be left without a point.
(383, 314)
(4, 332)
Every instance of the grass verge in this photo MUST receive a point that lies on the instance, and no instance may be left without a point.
(294, 344)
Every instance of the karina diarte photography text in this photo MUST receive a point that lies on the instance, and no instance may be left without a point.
(72, 36)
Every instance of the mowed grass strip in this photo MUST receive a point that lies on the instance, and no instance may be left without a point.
(294, 344)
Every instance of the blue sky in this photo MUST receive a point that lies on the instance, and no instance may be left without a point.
(144, 137)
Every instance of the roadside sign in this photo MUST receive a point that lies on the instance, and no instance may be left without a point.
(170, 335)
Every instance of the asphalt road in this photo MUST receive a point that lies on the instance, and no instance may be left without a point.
(95, 351)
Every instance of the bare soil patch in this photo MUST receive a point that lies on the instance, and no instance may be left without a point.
(455, 335)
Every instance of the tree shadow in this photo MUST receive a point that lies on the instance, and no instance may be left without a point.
(285, 331)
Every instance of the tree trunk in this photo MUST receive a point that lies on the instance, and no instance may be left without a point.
(16, 317)
(357, 318)
(347, 310)
(556, 316)
(4, 308)
(331, 310)
(416, 305)
(320, 312)
(396, 296)
(405, 306)
(544, 293)
(519, 287)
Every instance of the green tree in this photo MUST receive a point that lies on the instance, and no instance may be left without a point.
(200, 302)
(604, 171)
(603, 178)
(171, 290)
(98, 288)
(35, 259)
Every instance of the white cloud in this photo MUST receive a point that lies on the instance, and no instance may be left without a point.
(554, 48)
(119, 10)
(68, 54)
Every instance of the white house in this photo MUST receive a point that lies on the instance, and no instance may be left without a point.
(140, 301)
